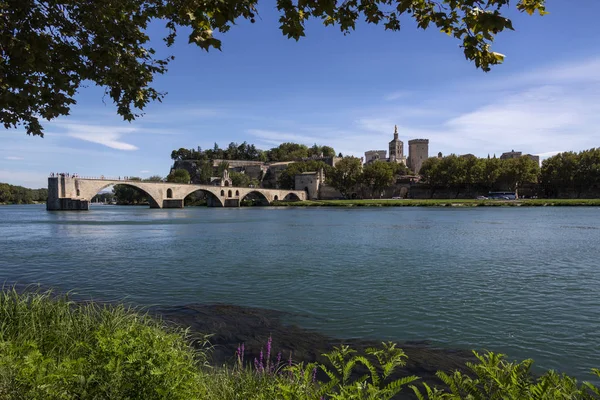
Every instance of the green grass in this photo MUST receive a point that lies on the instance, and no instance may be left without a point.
(440, 203)
(52, 348)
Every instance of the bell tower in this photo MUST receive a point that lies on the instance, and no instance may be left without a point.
(397, 149)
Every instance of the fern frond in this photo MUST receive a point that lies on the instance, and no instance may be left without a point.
(397, 385)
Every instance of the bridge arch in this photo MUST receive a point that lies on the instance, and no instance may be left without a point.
(291, 197)
(212, 198)
(169, 193)
(257, 197)
(88, 191)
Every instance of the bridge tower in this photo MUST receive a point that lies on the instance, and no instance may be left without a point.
(62, 193)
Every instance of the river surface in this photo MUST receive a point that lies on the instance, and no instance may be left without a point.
(523, 281)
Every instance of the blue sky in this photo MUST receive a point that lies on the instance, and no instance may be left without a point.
(344, 91)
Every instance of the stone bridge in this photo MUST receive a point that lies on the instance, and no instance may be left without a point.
(74, 193)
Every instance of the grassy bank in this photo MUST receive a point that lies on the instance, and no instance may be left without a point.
(441, 203)
(52, 348)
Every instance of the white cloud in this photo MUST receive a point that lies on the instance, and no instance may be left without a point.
(108, 139)
(277, 137)
(185, 113)
(13, 158)
(582, 71)
(144, 171)
(537, 112)
(109, 136)
(549, 153)
(397, 95)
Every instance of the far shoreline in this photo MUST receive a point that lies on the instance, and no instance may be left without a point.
(442, 203)
(404, 203)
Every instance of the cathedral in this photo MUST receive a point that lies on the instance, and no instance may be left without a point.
(397, 149)
(418, 150)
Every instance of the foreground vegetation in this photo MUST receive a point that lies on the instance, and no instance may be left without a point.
(52, 348)
(440, 203)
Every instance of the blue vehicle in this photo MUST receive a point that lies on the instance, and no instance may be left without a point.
(502, 195)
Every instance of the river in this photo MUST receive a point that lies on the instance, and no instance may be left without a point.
(523, 281)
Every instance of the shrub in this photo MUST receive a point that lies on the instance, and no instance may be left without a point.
(493, 378)
(53, 348)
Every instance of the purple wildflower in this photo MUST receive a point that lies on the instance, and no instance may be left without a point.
(260, 362)
(314, 375)
(269, 343)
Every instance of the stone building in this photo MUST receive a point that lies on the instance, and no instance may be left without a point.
(511, 154)
(534, 158)
(397, 149)
(516, 154)
(375, 155)
(418, 152)
(331, 161)
(310, 182)
(223, 180)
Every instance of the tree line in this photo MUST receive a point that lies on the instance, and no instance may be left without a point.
(249, 152)
(563, 174)
(560, 175)
(11, 194)
(461, 173)
(571, 172)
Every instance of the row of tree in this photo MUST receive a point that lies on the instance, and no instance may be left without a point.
(571, 172)
(10, 194)
(463, 172)
(564, 174)
(249, 152)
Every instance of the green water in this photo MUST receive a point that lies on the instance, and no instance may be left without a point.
(521, 281)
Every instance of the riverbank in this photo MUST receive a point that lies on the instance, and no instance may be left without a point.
(22, 204)
(52, 347)
(231, 326)
(442, 203)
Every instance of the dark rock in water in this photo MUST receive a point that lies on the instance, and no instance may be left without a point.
(233, 325)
